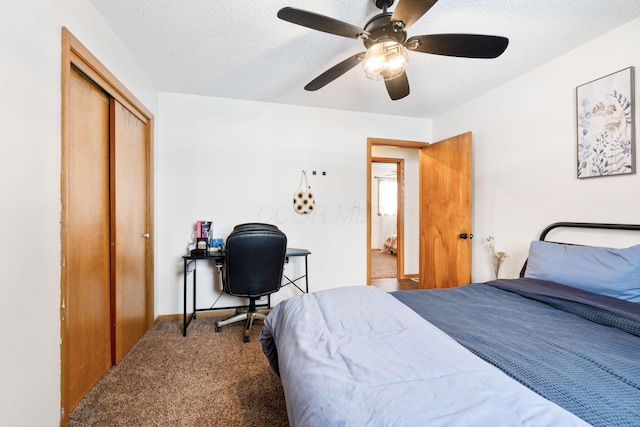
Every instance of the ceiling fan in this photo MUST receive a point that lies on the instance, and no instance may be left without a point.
(385, 37)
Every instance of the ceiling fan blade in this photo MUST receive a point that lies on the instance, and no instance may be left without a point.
(409, 11)
(321, 23)
(461, 45)
(398, 88)
(334, 72)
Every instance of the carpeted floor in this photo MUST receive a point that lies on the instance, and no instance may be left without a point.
(204, 379)
(383, 265)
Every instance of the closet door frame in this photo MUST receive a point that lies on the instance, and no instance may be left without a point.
(74, 54)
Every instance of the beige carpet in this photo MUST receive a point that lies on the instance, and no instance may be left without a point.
(383, 265)
(204, 379)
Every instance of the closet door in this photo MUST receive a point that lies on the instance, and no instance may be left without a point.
(106, 274)
(130, 232)
(87, 244)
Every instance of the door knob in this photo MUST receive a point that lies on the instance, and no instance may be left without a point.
(145, 235)
(465, 236)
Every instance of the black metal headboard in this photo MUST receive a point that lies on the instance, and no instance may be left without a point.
(596, 225)
(602, 226)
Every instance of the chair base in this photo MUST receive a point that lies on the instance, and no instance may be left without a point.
(246, 315)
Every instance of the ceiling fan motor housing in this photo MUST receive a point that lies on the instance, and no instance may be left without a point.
(381, 29)
(382, 4)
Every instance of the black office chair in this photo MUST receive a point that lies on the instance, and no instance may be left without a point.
(253, 266)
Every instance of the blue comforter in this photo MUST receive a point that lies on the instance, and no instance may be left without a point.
(579, 350)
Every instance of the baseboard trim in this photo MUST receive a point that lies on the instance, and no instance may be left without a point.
(200, 314)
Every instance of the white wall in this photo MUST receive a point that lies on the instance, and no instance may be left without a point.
(524, 136)
(411, 199)
(237, 161)
(30, 193)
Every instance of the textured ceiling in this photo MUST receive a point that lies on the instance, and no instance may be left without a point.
(240, 49)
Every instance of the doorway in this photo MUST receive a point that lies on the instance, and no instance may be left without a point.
(401, 157)
(443, 231)
(387, 207)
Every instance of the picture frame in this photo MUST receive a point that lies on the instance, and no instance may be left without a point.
(605, 110)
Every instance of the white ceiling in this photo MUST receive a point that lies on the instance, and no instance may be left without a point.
(240, 49)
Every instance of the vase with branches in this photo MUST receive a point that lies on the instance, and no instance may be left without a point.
(497, 257)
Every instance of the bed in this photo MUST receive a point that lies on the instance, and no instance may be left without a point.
(559, 346)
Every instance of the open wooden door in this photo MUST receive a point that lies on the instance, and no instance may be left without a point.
(445, 213)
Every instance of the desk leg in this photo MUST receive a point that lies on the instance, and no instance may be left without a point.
(184, 299)
(186, 319)
(195, 270)
(306, 273)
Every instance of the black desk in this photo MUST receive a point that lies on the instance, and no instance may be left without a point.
(190, 263)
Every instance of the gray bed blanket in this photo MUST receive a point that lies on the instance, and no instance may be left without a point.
(590, 369)
(356, 356)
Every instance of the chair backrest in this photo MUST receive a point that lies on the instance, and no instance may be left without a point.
(254, 225)
(254, 260)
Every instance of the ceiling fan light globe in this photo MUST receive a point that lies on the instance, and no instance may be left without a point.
(374, 67)
(385, 60)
